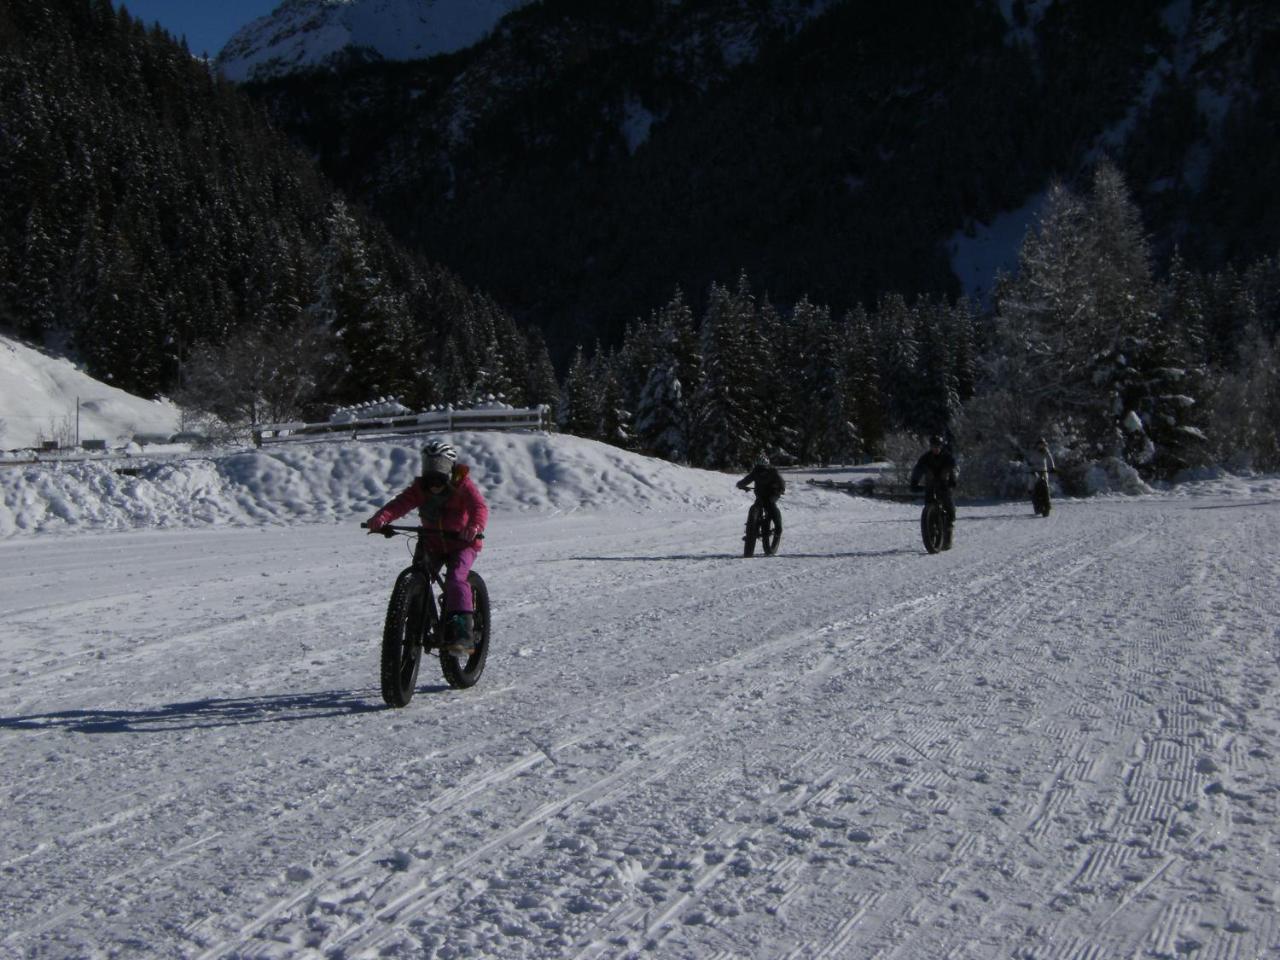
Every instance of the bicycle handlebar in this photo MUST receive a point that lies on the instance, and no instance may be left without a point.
(397, 528)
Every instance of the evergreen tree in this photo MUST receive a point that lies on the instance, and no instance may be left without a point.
(664, 363)
(819, 388)
(541, 387)
(898, 361)
(937, 396)
(730, 431)
(580, 412)
(864, 384)
(614, 424)
(660, 415)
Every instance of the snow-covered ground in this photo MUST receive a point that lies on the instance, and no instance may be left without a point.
(39, 393)
(1057, 741)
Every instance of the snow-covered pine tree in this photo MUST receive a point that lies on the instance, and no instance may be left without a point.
(1168, 383)
(864, 383)
(963, 338)
(820, 388)
(1037, 356)
(664, 363)
(369, 316)
(36, 300)
(541, 386)
(614, 423)
(898, 355)
(937, 396)
(734, 359)
(1118, 320)
(579, 412)
(660, 415)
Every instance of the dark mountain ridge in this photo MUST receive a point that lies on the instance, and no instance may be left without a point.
(588, 157)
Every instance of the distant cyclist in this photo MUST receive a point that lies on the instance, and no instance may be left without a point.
(454, 513)
(1041, 460)
(937, 469)
(769, 486)
(1040, 465)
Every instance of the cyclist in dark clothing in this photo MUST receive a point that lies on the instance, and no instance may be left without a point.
(937, 468)
(768, 481)
(769, 487)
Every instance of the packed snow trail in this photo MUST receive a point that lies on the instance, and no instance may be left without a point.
(1056, 741)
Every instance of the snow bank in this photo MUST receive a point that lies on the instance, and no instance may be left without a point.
(343, 481)
(38, 398)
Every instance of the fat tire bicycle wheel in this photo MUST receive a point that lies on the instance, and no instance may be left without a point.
(931, 527)
(770, 530)
(463, 670)
(409, 615)
(752, 531)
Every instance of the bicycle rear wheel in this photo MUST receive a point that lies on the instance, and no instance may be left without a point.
(770, 529)
(463, 670)
(409, 614)
(931, 527)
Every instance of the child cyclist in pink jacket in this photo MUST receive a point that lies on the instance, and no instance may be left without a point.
(454, 513)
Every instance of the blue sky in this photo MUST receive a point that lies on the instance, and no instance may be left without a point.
(207, 24)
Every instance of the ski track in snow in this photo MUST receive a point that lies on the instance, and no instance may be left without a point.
(1054, 742)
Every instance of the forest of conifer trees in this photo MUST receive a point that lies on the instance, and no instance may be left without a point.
(1123, 372)
(151, 220)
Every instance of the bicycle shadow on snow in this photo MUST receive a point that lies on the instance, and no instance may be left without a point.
(782, 554)
(204, 714)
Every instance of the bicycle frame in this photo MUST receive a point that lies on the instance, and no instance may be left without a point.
(431, 639)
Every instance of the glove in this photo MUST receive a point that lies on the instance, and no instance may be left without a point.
(377, 522)
(470, 532)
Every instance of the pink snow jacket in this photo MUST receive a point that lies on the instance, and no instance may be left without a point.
(454, 520)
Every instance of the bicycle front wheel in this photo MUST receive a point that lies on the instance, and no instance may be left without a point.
(931, 521)
(752, 532)
(462, 670)
(770, 529)
(408, 616)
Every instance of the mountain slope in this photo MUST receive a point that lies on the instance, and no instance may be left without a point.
(149, 214)
(584, 159)
(301, 34)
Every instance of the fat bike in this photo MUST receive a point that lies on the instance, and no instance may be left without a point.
(764, 526)
(415, 623)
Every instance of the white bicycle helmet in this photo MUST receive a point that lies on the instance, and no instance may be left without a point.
(438, 457)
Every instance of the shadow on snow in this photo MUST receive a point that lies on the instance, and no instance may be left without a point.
(201, 714)
(783, 554)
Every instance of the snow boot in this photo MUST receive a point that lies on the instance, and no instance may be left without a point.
(458, 633)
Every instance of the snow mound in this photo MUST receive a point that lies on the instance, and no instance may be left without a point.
(38, 399)
(343, 481)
